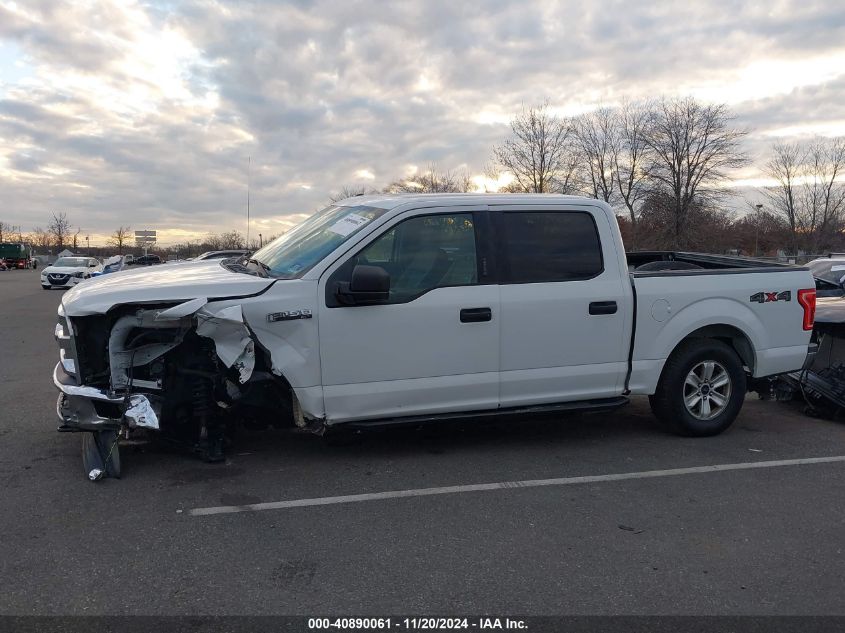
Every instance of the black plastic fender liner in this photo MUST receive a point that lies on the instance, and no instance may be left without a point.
(100, 452)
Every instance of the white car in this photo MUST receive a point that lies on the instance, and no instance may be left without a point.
(830, 275)
(399, 309)
(66, 272)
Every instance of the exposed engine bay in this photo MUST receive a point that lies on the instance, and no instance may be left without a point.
(191, 371)
(821, 383)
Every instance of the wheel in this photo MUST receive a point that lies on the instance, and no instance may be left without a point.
(701, 389)
(100, 452)
(45, 287)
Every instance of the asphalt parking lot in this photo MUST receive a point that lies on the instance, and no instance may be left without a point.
(768, 540)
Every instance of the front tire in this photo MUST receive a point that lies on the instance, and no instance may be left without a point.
(701, 389)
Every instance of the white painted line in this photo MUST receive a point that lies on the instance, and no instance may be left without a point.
(530, 483)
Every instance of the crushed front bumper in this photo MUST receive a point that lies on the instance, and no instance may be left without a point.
(83, 408)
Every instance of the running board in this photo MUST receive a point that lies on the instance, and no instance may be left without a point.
(589, 406)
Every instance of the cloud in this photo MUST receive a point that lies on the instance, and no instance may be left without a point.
(148, 113)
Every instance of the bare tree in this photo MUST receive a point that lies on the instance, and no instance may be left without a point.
(432, 180)
(59, 228)
(823, 193)
(10, 232)
(597, 136)
(540, 153)
(809, 193)
(230, 240)
(120, 238)
(695, 146)
(784, 167)
(41, 238)
(350, 191)
(632, 158)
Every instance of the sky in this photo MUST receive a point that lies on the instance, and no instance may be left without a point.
(156, 114)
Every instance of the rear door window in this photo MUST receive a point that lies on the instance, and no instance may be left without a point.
(548, 246)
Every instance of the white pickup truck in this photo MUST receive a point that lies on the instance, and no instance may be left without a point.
(403, 309)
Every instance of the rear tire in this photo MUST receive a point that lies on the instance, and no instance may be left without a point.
(701, 389)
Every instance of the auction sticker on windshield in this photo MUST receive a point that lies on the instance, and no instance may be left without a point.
(348, 224)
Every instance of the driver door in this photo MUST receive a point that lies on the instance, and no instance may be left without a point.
(432, 346)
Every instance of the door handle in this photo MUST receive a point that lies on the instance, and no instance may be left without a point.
(476, 315)
(603, 307)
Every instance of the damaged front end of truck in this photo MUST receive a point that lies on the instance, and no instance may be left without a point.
(190, 371)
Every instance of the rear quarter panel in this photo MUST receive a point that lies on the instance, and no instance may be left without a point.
(672, 306)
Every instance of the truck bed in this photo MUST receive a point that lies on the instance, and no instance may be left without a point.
(755, 303)
(710, 264)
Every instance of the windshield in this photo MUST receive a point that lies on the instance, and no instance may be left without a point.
(295, 252)
(71, 262)
(829, 270)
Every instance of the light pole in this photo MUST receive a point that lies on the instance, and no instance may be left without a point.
(248, 173)
(759, 208)
(260, 241)
(88, 242)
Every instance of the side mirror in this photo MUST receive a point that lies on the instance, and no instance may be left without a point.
(370, 285)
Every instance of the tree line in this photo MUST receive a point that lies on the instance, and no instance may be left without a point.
(664, 165)
(60, 234)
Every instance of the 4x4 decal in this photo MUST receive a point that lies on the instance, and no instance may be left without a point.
(766, 297)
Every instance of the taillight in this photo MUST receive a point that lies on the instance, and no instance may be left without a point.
(807, 299)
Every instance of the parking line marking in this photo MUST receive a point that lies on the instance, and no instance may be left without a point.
(504, 485)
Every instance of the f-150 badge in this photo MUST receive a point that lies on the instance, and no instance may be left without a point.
(766, 297)
(290, 315)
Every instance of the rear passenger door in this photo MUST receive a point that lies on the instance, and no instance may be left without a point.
(564, 309)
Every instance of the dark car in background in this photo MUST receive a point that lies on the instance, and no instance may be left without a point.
(145, 260)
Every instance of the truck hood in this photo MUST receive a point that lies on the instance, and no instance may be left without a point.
(157, 284)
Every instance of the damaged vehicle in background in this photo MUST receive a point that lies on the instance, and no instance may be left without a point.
(830, 275)
(385, 310)
(66, 272)
(821, 382)
(113, 264)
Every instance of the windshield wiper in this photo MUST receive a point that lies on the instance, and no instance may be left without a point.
(260, 264)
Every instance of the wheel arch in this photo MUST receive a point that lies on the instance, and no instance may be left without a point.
(649, 373)
(729, 334)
